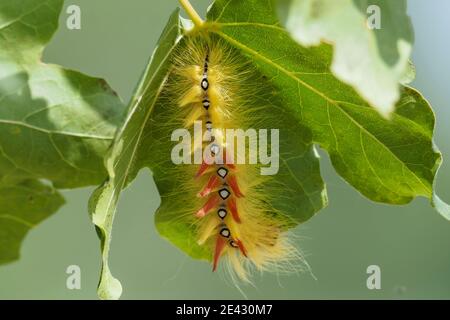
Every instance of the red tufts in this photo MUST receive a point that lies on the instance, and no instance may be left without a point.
(232, 181)
(210, 204)
(233, 208)
(203, 167)
(220, 244)
(212, 183)
(241, 247)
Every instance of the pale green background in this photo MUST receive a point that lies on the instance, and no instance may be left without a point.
(410, 243)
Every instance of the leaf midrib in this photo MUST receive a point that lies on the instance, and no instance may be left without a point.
(22, 15)
(43, 130)
(16, 219)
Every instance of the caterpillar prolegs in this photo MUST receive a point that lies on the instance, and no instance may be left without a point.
(223, 208)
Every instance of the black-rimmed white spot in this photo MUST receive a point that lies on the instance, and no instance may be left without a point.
(205, 83)
(224, 193)
(215, 149)
(206, 104)
(234, 244)
(209, 125)
(225, 232)
(222, 213)
(222, 172)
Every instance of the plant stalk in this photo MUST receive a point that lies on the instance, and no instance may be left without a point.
(196, 19)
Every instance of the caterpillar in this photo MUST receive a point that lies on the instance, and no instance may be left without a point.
(223, 208)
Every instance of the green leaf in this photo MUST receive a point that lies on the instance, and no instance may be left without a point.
(296, 191)
(121, 160)
(373, 61)
(390, 161)
(441, 206)
(22, 207)
(55, 124)
(378, 157)
(144, 141)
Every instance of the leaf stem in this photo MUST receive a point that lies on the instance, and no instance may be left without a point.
(191, 13)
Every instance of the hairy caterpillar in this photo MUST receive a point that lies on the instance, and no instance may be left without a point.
(221, 210)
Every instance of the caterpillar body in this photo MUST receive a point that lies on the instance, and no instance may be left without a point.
(223, 208)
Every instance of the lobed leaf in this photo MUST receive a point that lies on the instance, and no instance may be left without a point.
(373, 60)
(144, 141)
(390, 161)
(55, 124)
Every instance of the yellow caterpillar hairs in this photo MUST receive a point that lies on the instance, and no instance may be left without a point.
(222, 206)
